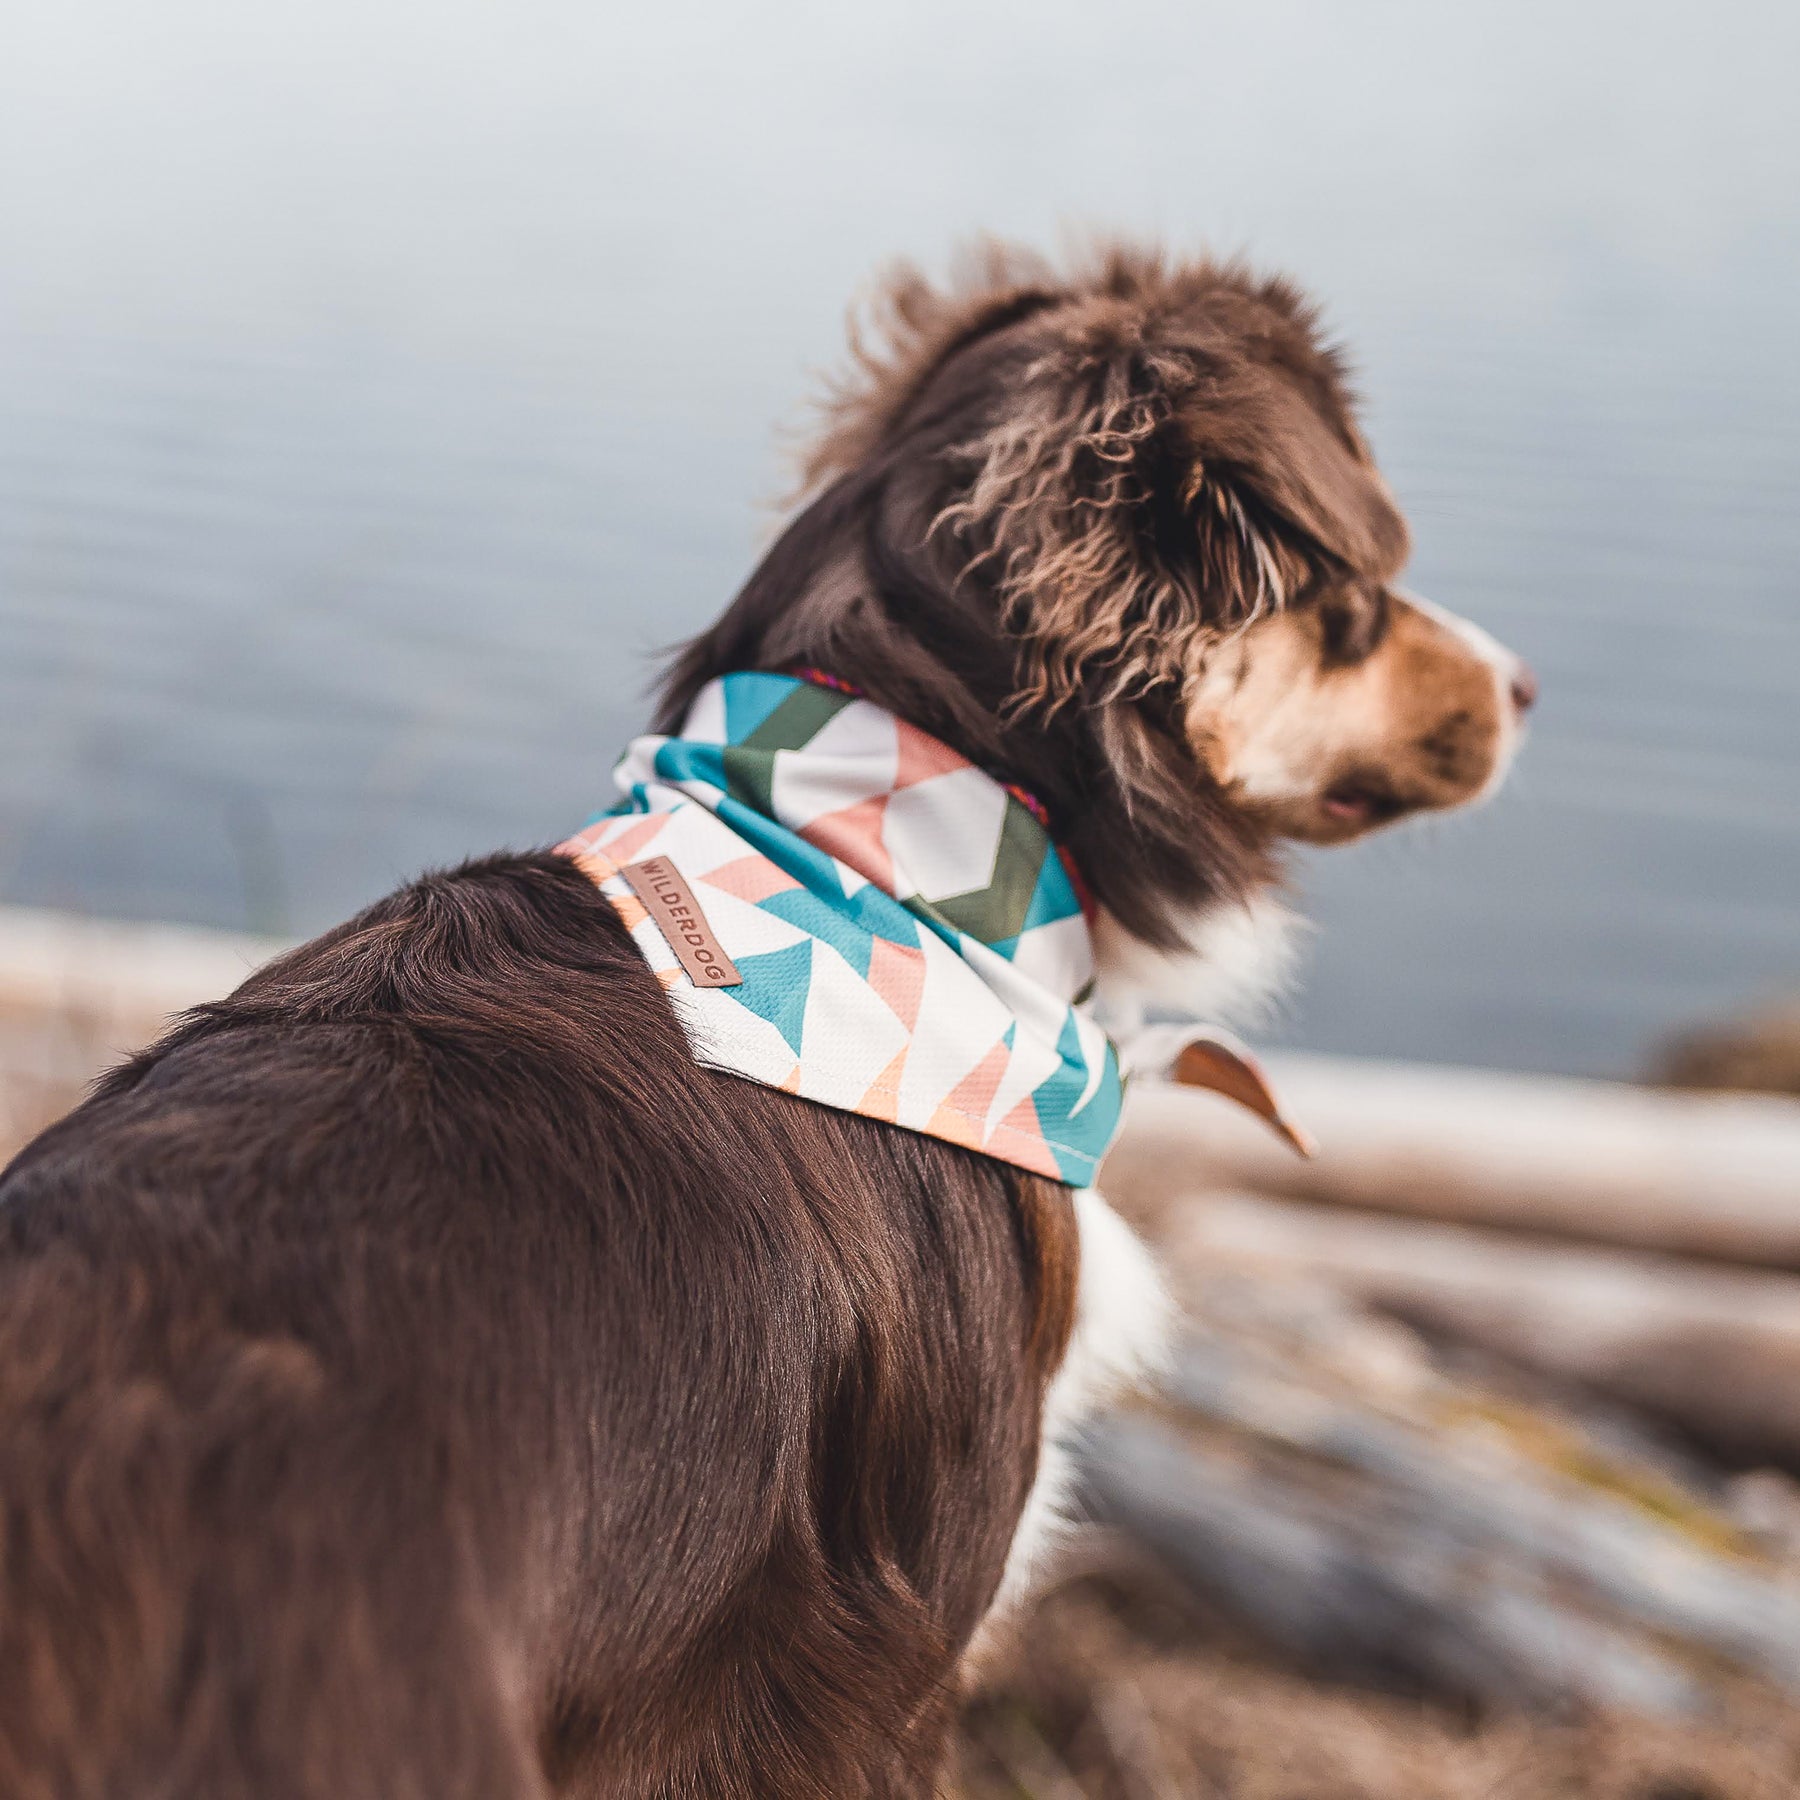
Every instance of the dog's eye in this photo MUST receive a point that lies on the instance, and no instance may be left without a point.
(1352, 621)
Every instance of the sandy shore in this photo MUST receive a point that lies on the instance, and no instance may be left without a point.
(76, 994)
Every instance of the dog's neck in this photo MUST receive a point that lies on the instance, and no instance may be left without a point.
(846, 909)
(859, 584)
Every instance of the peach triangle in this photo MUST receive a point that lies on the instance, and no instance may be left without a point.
(1024, 1118)
(956, 1127)
(921, 757)
(635, 837)
(974, 1094)
(897, 974)
(853, 835)
(630, 910)
(1023, 1137)
(598, 867)
(882, 1100)
(751, 878)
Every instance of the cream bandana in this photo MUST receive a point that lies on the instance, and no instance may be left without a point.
(906, 940)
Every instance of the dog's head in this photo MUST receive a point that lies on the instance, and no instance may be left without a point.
(1117, 535)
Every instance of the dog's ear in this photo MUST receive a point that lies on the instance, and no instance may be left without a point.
(1146, 487)
(902, 332)
(1112, 553)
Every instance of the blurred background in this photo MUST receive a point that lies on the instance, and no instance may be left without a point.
(387, 385)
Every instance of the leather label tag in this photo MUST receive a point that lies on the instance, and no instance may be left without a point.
(670, 902)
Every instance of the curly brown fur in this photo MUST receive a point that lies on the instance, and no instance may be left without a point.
(1150, 396)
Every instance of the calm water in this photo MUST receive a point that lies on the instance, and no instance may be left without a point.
(381, 388)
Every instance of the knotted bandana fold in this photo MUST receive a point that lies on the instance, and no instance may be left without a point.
(907, 941)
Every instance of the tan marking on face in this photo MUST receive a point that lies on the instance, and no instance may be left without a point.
(1324, 750)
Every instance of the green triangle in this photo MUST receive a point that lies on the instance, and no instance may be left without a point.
(798, 719)
(998, 911)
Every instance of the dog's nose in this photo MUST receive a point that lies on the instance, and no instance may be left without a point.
(1524, 688)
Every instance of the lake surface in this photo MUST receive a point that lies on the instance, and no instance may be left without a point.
(383, 388)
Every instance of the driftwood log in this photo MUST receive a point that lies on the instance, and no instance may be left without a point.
(1712, 1351)
(1514, 1535)
(1704, 1175)
(1311, 1470)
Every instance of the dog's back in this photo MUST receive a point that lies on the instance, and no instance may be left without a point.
(417, 1377)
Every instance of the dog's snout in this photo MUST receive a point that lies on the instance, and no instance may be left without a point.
(1523, 688)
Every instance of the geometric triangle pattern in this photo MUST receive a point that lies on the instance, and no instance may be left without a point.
(913, 945)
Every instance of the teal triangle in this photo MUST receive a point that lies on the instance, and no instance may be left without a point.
(749, 699)
(849, 937)
(775, 987)
(1054, 897)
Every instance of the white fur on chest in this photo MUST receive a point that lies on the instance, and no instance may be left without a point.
(1232, 960)
(1231, 964)
(1124, 1322)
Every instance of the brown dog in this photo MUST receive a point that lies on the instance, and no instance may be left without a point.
(420, 1377)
